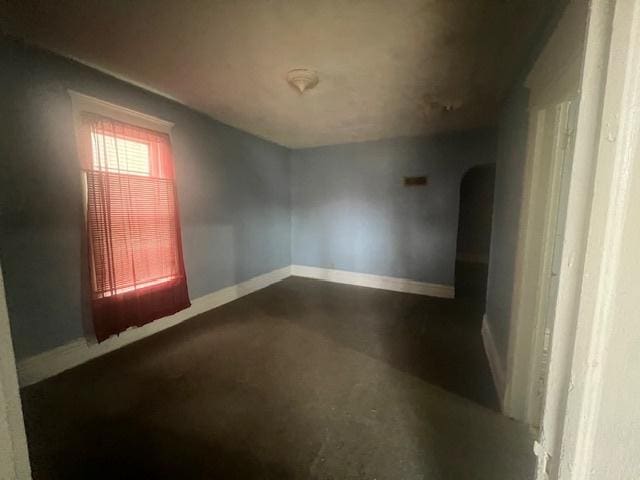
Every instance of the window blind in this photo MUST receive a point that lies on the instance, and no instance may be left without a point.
(133, 226)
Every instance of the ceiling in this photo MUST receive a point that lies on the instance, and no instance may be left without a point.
(387, 68)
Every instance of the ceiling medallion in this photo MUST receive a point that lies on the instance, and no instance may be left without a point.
(302, 79)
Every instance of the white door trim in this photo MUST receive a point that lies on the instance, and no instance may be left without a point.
(544, 191)
(546, 287)
(607, 140)
(14, 457)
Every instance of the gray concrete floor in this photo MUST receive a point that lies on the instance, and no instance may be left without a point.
(301, 380)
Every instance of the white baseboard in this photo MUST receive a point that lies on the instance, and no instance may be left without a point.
(495, 363)
(44, 365)
(374, 281)
(47, 364)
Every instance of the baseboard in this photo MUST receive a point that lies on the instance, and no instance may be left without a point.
(47, 364)
(374, 281)
(495, 363)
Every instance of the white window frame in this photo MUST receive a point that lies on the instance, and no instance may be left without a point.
(85, 103)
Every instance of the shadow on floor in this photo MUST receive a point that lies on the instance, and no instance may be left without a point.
(437, 340)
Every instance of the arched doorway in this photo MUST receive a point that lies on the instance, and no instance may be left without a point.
(474, 233)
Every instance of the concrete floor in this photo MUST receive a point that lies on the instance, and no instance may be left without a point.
(301, 380)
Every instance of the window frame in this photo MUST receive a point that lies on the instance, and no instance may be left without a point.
(81, 103)
(85, 103)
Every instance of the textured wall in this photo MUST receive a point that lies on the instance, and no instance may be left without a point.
(233, 191)
(511, 157)
(352, 212)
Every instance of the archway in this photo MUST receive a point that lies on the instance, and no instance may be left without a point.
(474, 233)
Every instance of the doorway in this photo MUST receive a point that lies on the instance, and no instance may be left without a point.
(474, 234)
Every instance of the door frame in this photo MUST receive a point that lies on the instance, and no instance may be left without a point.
(606, 159)
(14, 457)
(553, 83)
(545, 190)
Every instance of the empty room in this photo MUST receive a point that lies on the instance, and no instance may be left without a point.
(331, 239)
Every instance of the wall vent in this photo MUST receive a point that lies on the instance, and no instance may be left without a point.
(415, 181)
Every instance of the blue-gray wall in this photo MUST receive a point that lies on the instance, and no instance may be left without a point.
(352, 212)
(233, 190)
(247, 206)
(510, 163)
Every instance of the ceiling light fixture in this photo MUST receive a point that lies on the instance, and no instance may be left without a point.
(302, 79)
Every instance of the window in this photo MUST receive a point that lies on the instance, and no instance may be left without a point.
(133, 227)
(119, 155)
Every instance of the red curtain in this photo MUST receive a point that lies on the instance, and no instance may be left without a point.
(133, 226)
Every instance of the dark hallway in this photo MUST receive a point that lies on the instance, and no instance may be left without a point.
(474, 233)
